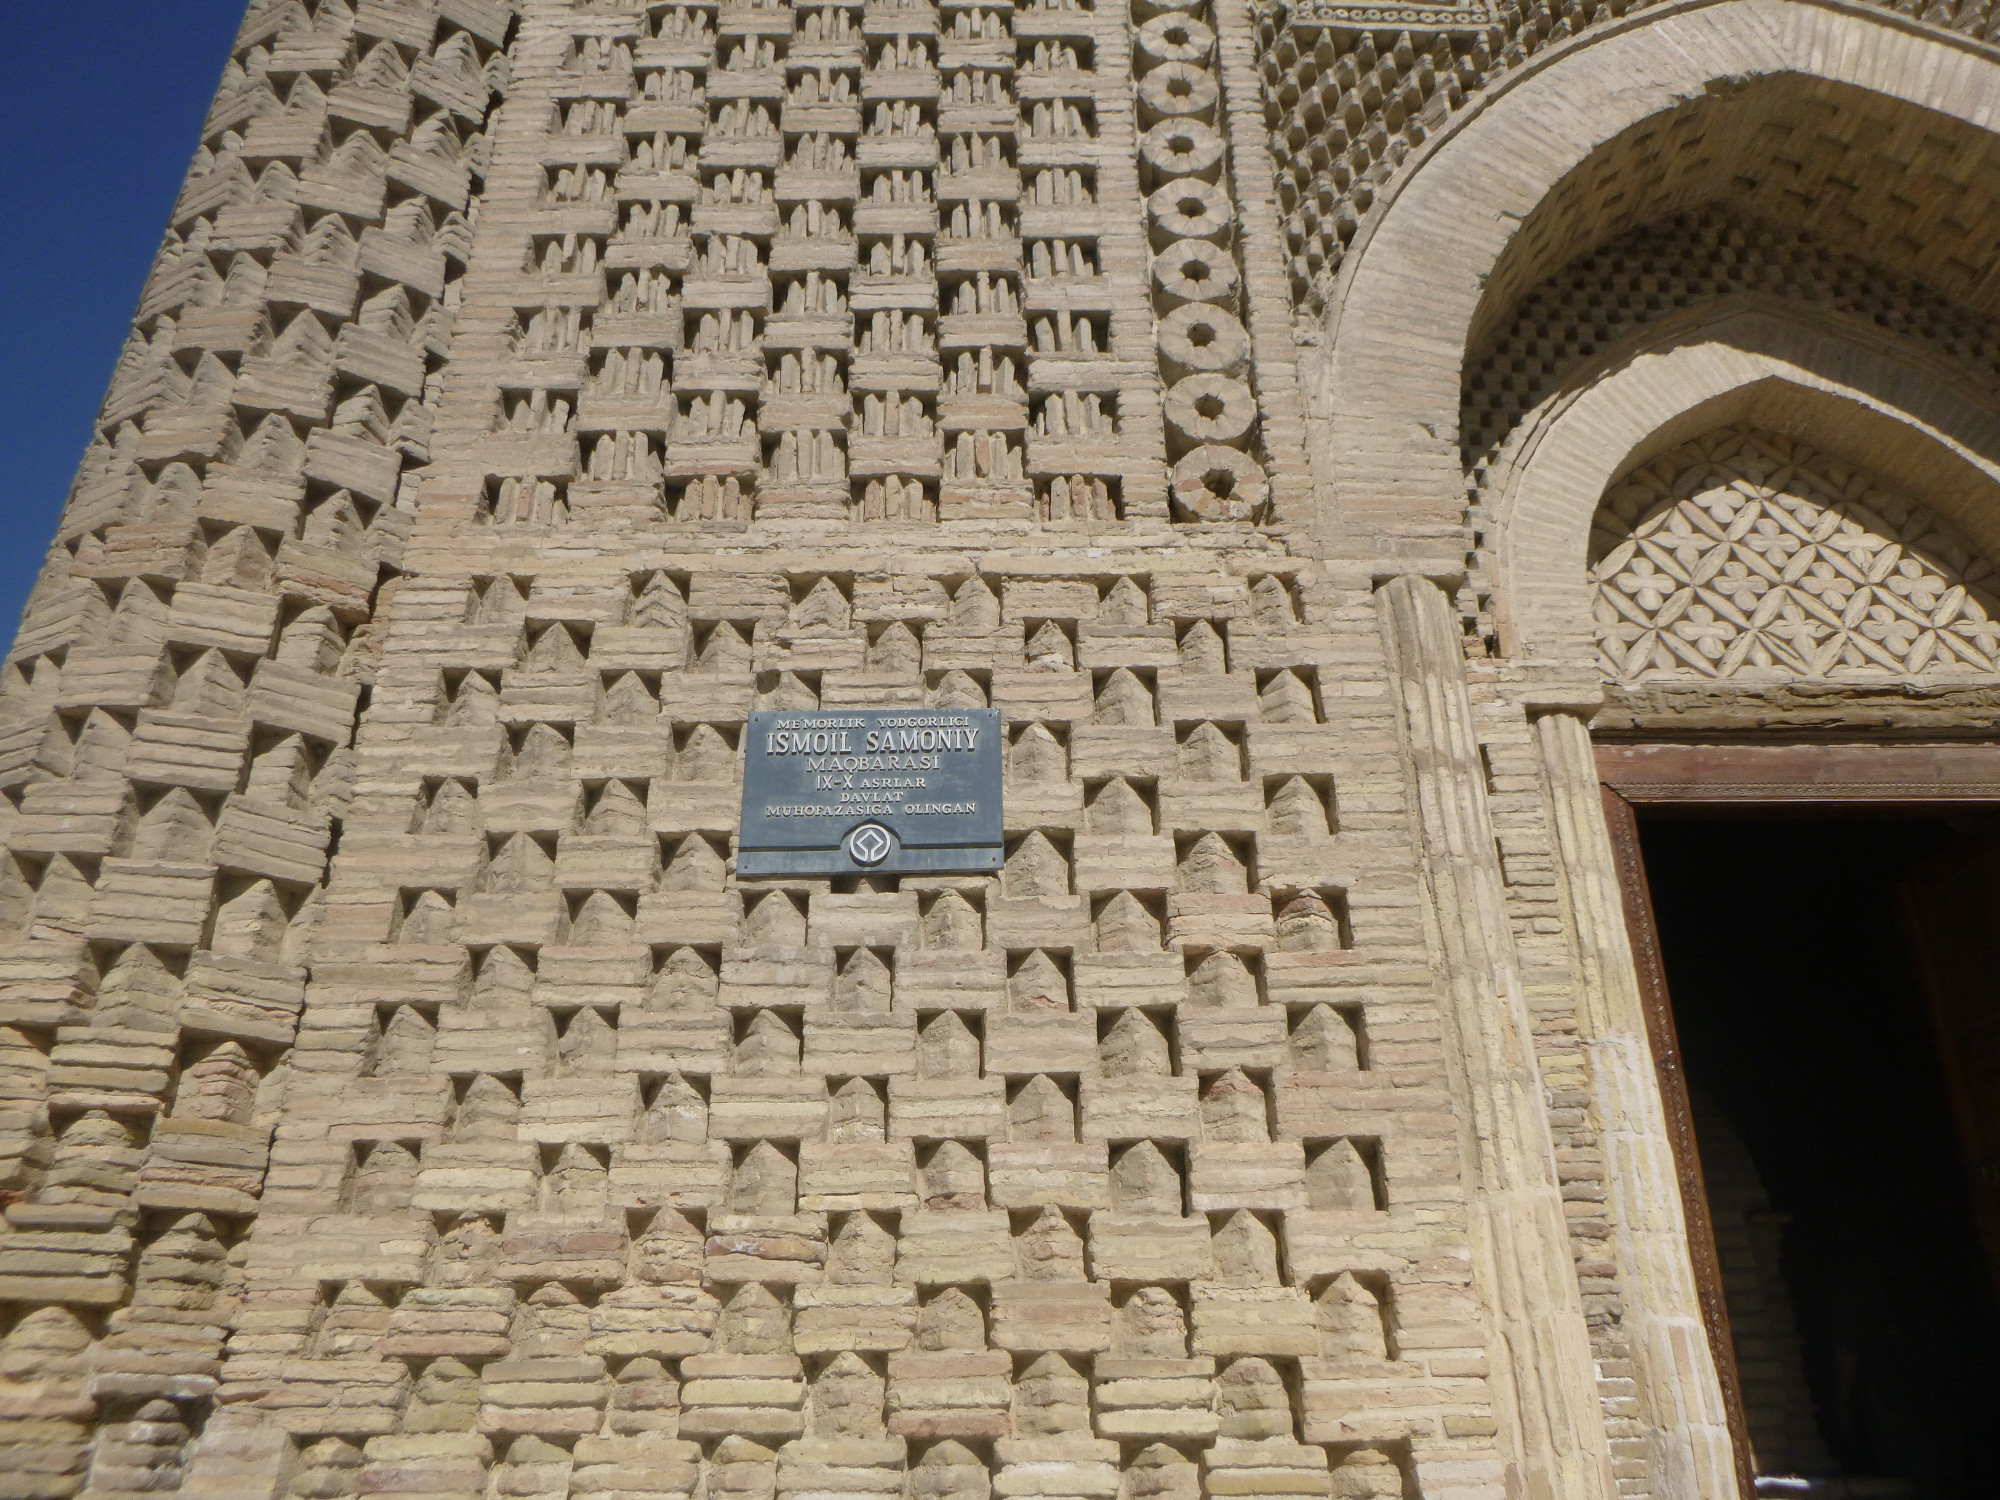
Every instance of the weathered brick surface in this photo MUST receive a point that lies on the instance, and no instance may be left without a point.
(400, 1091)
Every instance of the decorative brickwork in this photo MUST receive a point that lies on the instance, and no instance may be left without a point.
(403, 1092)
(1667, 270)
(595, 1169)
(1357, 90)
(1749, 553)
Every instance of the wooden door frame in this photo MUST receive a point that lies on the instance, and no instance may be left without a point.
(1643, 933)
(1720, 777)
(1647, 773)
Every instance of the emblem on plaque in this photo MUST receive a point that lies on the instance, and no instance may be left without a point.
(869, 844)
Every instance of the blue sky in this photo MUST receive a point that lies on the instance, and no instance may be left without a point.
(101, 104)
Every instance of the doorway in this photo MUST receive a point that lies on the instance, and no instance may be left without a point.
(1860, 1302)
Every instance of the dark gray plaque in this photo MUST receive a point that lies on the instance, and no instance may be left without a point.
(871, 790)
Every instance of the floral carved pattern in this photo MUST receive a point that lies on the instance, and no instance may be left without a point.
(1745, 553)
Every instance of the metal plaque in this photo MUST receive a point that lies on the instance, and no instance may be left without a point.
(871, 790)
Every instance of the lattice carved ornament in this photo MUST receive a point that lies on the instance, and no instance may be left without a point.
(1747, 554)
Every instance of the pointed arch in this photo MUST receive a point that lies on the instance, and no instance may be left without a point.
(1869, 402)
(1566, 153)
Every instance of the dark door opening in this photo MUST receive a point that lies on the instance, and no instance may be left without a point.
(1861, 1302)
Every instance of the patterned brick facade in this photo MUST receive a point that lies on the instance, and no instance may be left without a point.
(400, 1091)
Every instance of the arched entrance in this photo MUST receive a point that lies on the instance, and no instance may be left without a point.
(1770, 528)
(1696, 226)
(1811, 914)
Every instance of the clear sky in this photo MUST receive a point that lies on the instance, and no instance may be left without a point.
(101, 104)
